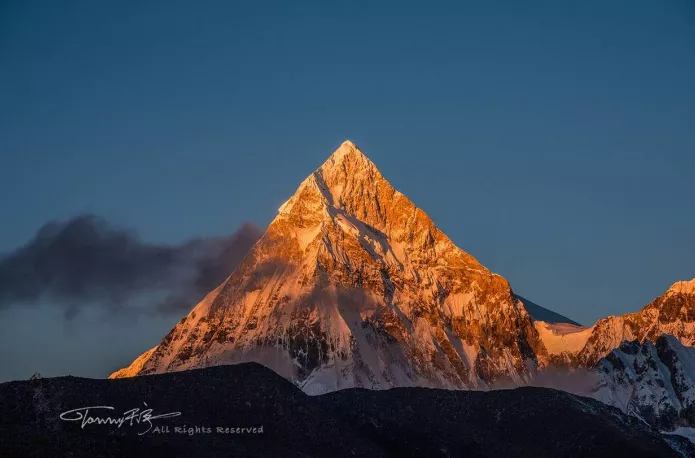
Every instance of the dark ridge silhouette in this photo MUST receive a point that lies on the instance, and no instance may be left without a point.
(414, 422)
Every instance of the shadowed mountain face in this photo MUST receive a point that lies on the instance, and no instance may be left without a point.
(417, 422)
(539, 313)
(654, 381)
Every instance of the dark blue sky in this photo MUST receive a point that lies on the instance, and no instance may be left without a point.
(556, 143)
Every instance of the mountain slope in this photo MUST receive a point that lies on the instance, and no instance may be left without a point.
(411, 422)
(352, 285)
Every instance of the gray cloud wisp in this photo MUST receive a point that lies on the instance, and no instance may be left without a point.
(87, 262)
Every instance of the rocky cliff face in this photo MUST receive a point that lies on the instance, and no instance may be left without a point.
(352, 285)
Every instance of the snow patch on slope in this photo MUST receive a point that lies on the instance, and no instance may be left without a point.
(559, 338)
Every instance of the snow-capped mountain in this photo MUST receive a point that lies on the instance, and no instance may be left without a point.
(352, 285)
(641, 362)
(671, 313)
(654, 381)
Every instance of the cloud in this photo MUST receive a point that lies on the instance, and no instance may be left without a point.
(87, 262)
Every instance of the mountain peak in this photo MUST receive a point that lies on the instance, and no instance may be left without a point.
(347, 179)
(345, 148)
(347, 154)
(353, 285)
(348, 145)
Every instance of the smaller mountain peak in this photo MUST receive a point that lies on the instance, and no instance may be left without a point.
(682, 287)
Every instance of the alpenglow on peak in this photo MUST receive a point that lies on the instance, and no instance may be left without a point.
(348, 158)
(352, 285)
(346, 148)
(347, 180)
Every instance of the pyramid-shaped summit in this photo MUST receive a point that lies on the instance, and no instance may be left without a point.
(348, 163)
(352, 285)
(346, 171)
(347, 148)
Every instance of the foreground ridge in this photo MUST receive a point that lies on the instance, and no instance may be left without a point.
(525, 422)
